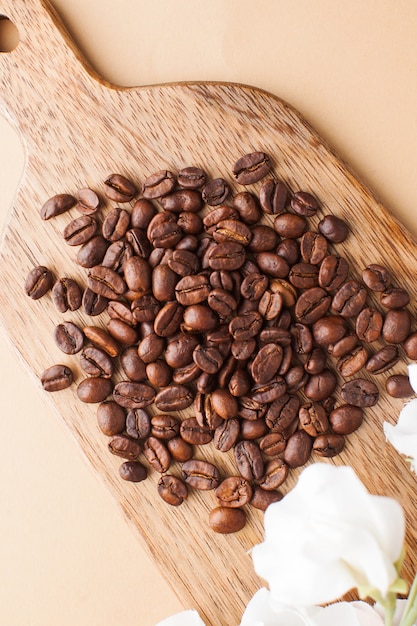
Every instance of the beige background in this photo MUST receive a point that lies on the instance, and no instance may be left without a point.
(350, 67)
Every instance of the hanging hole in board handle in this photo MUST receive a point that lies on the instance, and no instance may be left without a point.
(9, 35)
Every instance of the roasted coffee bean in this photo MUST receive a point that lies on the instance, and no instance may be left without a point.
(303, 203)
(191, 177)
(201, 475)
(333, 272)
(222, 302)
(57, 205)
(369, 324)
(266, 363)
(142, 212)
(165, 426)
(180, 450)
(245, 326)
(349, 299)
(215, 192)
(158, 184)
(138, 423)
(282, 412)
(163, 230)
(243, 349)
(223, 403)
(395, 298)
(225, 520)
(168, 319)
(119, 188)
(56, 378)
(92, 253)
(273, 444)
(272, 264)
(270, 391)
(360, 392)
(226, 434)
(133, 471)
(321, 386)
(88, 201)
(227, 256)
(312, 305)
(102, 339)
(328, 445)
(179, 351)
(132, 395)
(251, 168)
(399, 386)
(198, 318)
(351, 363)
(144, 309)
(111, 418)
(164, 282)
(232, 230)
(376, 277)
(249, 460)
(69, 337)
(273, 196)
(191, 224)
(301, 338)
(316, 361)
(253, 429)
(270, 305)
(122, 332)
(80, 230)
(138, 275)
(295, 378)
(94, 389)
(276, 472)
(248, 207)
(410, 346)
(124, 446)
(289, 249)
(290, 225)
(173, 398)
(264, 239)
(396, 326)
(67, 295)
(313, 419)
(261, 498)
(137, 241)
(151, 348)
(385, 358)
(172, 490)
(328, 330)
(223, 212)
(132, 365)
(106, 282)
(333, 228)
(184, 262)
(345, 419)
(157, 454)
(304, 275)
(253, 286)
(38, 282)
(182, 200)
(192, 289)
(96, 362)
(343, 346)
(233, 492)
(313, 247)
(298, 449)
(115, 224)
(251, 409)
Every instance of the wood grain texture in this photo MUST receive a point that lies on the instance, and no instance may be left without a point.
(77, 129)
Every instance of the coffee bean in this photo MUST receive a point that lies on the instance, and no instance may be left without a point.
(163, 230)
(159, 184)
(198, 318)
(304, 203)
(225, 520)
(398, 386)
(349, 299)
(179, 449)
(115, 224)
(396, 326)
(92, 253)
(304, 275)
(226, 434)
(251, 168)
(333, 228)
(273, 196)
(312, 305)
(298, 449)
(249, 460)
(67, 295)
(248, 207)
(261, 498)
(410, 346)
(123, 446)
(313, 247)
(333, 272)
(38, 282)
(395, 298)
(345, 419)
(264, 239)
(80, 230)
(313, 419)
(191, 177)
(321, 386)
(173, 398)
(182, 200)
(132, 395)
(233, 492)
(94, 389)
(215, 192)
(157, 454)
(111, 418)
(133, 471)
(138, 423)
(57, 205)
(102, 339)
(276, 472)
(106, 282)
(376, 277)
(266, 363)
(290, 225)
(383, 359)
(351, 363)
(119, 188)
(96, 362)
(360, 392)
(69, 337)
(273, 444)
(56, 378)
(328, 445)
(172, 490)
(201, 475)
(88, 201)
(369, 324)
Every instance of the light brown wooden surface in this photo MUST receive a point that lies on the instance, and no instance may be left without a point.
(76, 131)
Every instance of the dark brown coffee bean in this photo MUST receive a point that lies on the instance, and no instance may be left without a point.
(289, 249)
(303, 203)
(290, 225)
(298, 449)
(351, 363)
(248, 207)
(395, 298)
(201, 475)
(133, 395)
(192, 289)
(172, 490)
(343, 346)
(276, 472)
(38, 282)
(251, 168)
(56, 378)
(223, 212)
(102, 339)
(182, 200)
(312, 305)
(106, 282)
(133, 471)
(333, 228)
(321, 386)
(223, 403)
(396, 326)
(282, 412)
(119, 188)
(165, 426)
(273, 196)
(253, 286)
(222, 302)
(67, 295)
(249, 460)
(328, 330)
(385, 358)
(270, 305)
(158, 185)
(88, 201)
(132, 365)
(115, 224)
(272, 264)
(184, 262)
(273, 444)
(245, 326)
(360, 392)
(95, 362)
(301, 338)
(304, 275)
(124, 446)
(328, 445)
(410, 346)
(122, 332)
(243, 349)
(226, 434)
(233, 492)
(313, 247)
(316, 361)
(215, 192)
(251, 409)
(94, 389)
(333, 272)
(151, 348)
(157, 454)
(227, 256)
(398, 386)
(163, 230)
(180, 450)
(264, 239)
(57, 205)
(111, 418)
(142, 212)
(270, 391)
(168, 319)
(179, 351)
(198, 318)
(345, 419)
(191, 224)
(164, 282)
(369, 324)
(266, 363)
(225, 520)
(80, 230)
(232, 230)
(69, 337)
(376, 277)
(191, 177)
(138, 424)
(313, 419)
(253, 429)
(349, 299)
(261, 498)
(92, 253)
(159, 374)
(173, 398)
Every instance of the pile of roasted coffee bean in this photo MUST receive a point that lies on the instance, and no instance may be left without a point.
(205, 302)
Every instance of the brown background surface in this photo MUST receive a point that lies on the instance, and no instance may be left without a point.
(66, 554)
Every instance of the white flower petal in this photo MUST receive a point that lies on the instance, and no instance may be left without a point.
(184, 618)
(412, 375)
(262, 612)
(348, 614)
(403, 436)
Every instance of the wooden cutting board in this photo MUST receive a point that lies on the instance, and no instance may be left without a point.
(76, 130)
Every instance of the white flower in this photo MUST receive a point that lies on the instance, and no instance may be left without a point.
(327, 536)
(403, 436)
(184, 618)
